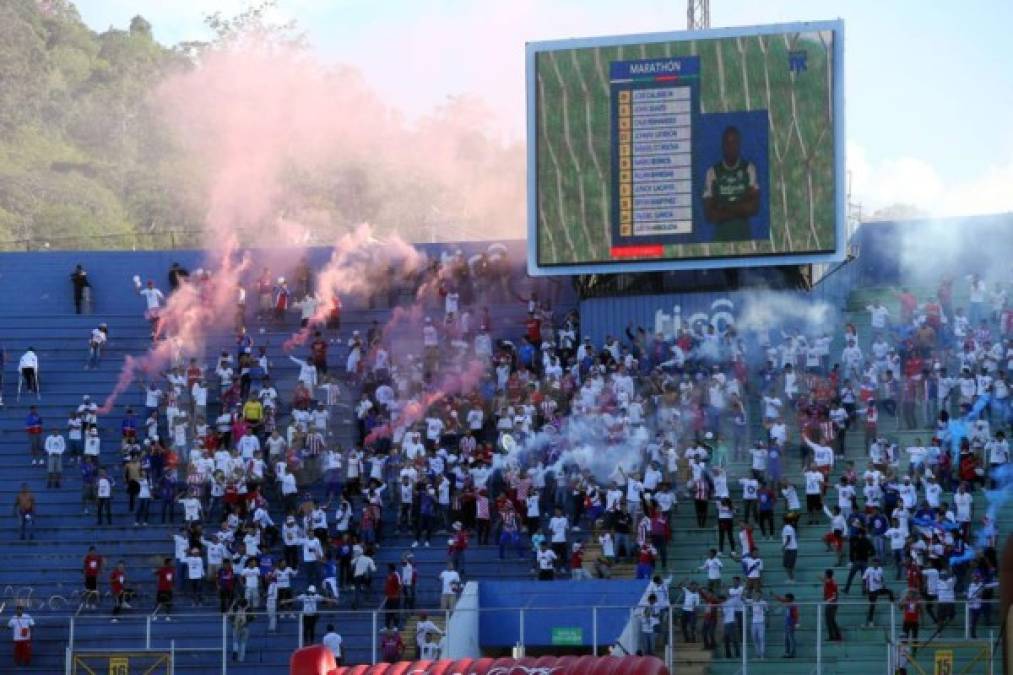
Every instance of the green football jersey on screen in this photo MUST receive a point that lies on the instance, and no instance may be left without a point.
(731, 185)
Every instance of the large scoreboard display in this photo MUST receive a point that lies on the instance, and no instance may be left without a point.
(719, 148)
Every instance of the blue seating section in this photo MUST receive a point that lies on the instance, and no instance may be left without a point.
(36, 309)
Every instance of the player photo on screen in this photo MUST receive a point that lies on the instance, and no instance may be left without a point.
(731, 193)
(733, 203)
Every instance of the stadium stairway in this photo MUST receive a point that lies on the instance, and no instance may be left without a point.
(45, 573)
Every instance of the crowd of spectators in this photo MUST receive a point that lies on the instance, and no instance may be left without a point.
(484, 430)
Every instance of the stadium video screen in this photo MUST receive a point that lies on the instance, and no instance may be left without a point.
(712, 149)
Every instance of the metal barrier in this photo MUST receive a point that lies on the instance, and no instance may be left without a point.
(748, 641)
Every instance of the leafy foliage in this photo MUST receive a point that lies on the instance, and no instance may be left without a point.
(90, 156)
(84, 161)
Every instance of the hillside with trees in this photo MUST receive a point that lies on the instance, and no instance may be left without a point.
(87, 159)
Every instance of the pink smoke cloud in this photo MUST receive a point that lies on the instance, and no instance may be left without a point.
(451, 384)
(287, 151)
(188, 317)
(351, 271)
(284, 139)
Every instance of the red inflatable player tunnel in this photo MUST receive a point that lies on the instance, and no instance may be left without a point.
(317, 660)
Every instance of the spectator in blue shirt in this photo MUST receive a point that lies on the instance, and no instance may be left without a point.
(89, 473)
(33, 427)
(128, 426)
(878, 525)
(526, 354)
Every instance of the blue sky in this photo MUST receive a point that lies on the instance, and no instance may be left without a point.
(928, 84)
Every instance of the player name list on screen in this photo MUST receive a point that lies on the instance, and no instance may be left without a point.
(653, 107)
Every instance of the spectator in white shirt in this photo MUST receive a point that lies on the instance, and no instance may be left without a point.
(153, 299)
(194, 564)
(789, 547)
(874, 585)
(332, 641)
(21, 624)
(450, 582)
(28, 366)
(545, 558)
(713, 566)
(104, 493)
(54, 447)
(559, 525)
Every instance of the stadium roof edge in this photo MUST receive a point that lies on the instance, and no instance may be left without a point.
(979, 218)
(466, 246)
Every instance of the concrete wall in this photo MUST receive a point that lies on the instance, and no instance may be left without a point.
(462, 631)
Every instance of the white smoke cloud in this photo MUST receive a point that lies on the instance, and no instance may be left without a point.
(917, 182)
(765, 310)
(583, 440)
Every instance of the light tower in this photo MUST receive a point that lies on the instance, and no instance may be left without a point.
(698, 14)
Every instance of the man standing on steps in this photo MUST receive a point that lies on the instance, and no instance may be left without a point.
(166, 581)
(24, 509)
(687, 619)
(33, 428)
(730, 626)
(332, 640)
(546, 560)
(55, 447)
(450, 585)
(92, 568)
(22, 625)
(392, 597)
(177, 275)
(240, 617)
(104, 493)
(82, 289)
(119, 590)
(830, 606)
(861, 551)
(559, 525)
(194, 564)
(310, 601)
(789, 547)
(153, 299)
(875, 585)
(758, 625)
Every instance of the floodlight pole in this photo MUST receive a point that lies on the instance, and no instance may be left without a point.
(698, 14)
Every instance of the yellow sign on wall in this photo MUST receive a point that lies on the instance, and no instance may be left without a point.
(943, 662)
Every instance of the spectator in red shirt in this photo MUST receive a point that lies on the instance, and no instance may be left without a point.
(533, 329)
(391, 646)
(194, 374)
(166, 575)
(92, 568)
(118, 588)
(458, 545)
(318, 353)
(577, 571)
(908, 305)
(645, 561)
(334, 315)
(392, 597)
(830, 606)
(911, 606)
(226, 583)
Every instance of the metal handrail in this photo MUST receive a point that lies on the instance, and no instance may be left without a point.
(365, 612)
